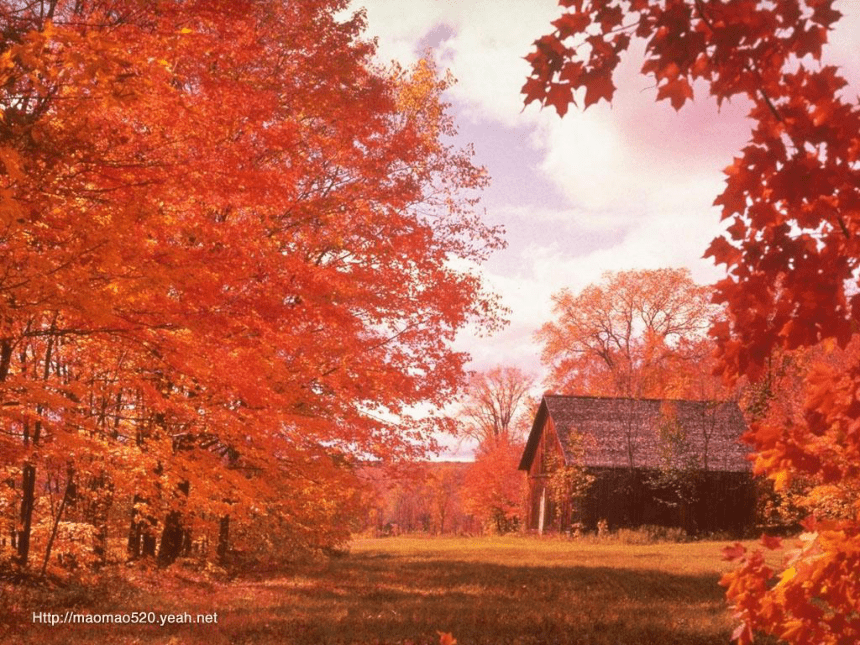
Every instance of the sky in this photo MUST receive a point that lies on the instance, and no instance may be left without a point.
(624, 186)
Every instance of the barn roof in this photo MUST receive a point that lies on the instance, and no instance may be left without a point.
(711, 430)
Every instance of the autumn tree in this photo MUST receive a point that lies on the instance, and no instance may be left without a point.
(792, 198)
(225, 244)
(494, 490)
(634, 334)
(496, 412)
(496, 404)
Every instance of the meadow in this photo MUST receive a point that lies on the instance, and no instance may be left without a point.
(405, 590)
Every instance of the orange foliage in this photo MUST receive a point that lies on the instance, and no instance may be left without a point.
(495, 491)
(416, 497)
(634, 334)
(791, 252)
(446, 638)
(225, 237)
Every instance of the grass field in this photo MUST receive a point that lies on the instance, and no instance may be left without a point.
(402, 590)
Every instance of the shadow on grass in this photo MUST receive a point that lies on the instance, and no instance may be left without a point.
(365, 599)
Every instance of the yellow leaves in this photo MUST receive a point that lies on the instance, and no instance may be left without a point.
(787, 575)
(445, 638)
(781, 480)
(12, 162)
(418, 96)
(48, 29)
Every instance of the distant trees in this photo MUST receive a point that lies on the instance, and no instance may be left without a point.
(496, 412)
(495, 490)
(422, 497)
(486, 495)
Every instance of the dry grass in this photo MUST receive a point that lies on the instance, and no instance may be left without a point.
(402, 590)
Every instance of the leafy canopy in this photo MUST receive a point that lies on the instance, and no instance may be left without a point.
(226, 244)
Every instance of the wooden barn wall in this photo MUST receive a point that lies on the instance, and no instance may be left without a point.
(721, 502)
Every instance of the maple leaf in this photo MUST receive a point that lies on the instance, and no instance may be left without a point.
(809, 42)
(771, 542)
(824, 14)
(571, 23)
(734, 552)
(677, 90)
(559, 96)
(534, 90)
(572, 72)
(742, 634)
(722, 251)
(599, 86)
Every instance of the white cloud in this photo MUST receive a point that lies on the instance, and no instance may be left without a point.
(487, 54)
(484, 51)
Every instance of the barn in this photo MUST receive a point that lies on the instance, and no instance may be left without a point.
(673, 463)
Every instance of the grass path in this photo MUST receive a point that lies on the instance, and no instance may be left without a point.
(402, 590)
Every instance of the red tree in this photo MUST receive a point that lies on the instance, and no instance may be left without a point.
(225, 244)
(494, 490)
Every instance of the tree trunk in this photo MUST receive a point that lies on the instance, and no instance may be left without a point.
(173, 537)
(223, 538)
(5, 358)
(28, 497)
(67, 495)
(185, 550)
(141, 534)
(148, 543)
(97, 512)
(134, 530)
